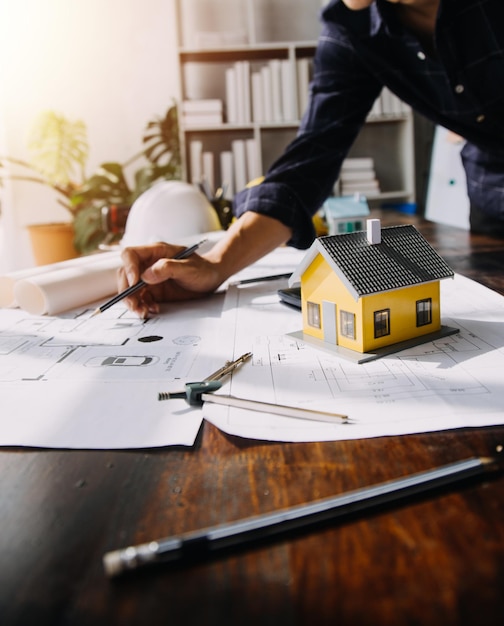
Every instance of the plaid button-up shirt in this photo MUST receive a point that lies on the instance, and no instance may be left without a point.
(460, 87)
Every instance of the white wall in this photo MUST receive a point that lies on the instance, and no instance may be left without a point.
(111, 63)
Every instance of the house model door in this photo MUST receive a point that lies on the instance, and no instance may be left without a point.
(329, 322)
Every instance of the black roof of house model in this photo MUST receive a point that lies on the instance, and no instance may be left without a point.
(402, 258)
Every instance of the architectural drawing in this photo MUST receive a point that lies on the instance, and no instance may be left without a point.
(448, 383)
(77, 346)
(78, 381)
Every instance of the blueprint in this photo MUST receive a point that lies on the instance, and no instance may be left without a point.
(452, 382)
(92, 382)
(75, 380)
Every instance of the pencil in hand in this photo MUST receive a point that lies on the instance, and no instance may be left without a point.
(134, 288)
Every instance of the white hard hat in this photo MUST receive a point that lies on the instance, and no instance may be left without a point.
(170, 210)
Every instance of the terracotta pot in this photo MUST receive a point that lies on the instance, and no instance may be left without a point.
(52, 242)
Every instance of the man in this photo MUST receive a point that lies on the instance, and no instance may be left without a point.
(443, 57)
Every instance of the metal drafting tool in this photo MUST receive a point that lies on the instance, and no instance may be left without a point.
(228, 367)
(195, 394)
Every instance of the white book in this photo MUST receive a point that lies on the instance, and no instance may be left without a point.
(267, 93)
(245, 70)
(202, 106)
(190, 25)
(196, 120)
(276, 89)
(242, 70)
(388, 102)
(396, 105)
(231, 96)
(289, 99)
(252, 158)
(257, 97)
(239, 164)
(358, 163)
(372, 182)
(405, 108)
(239, 92)
(357, 175)
(207, 159)
(195, 152)
(376, 109)
(348, 189)
(303, 84)
(227, 174)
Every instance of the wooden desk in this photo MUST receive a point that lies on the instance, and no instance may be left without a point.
(433, 561)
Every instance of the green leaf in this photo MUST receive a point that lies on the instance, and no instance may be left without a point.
(107, 186)
(162, 140)
(88, 229)
(59, 148)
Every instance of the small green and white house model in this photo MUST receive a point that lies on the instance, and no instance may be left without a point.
(345, 214)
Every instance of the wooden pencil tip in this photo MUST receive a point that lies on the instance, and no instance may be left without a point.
(95, 312)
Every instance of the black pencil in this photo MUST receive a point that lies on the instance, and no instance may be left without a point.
(262, 279)
(210, 541)
(134, 288)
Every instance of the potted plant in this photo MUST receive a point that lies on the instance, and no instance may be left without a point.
(59, 152)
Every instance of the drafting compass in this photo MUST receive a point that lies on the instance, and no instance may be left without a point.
(196, 393)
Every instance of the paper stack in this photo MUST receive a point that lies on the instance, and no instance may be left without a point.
(358, 176)
(200, 113)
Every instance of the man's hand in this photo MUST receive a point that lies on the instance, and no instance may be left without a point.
(248, 239)
(169, 279)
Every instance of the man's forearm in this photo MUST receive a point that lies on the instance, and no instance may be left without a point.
(248, 239)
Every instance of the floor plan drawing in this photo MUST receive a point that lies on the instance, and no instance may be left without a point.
(81, 381)
(452, 381)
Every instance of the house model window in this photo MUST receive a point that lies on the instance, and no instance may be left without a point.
(424, 312)
(371, 292)
(348, 324)
(313, 314)
(382, 323)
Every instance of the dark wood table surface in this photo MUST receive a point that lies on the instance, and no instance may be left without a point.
(436, 560)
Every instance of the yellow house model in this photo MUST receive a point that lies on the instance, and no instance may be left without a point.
(372, 292)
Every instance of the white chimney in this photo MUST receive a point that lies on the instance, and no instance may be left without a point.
(373, 231)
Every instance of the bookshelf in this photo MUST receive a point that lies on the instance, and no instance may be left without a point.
(246, 65)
